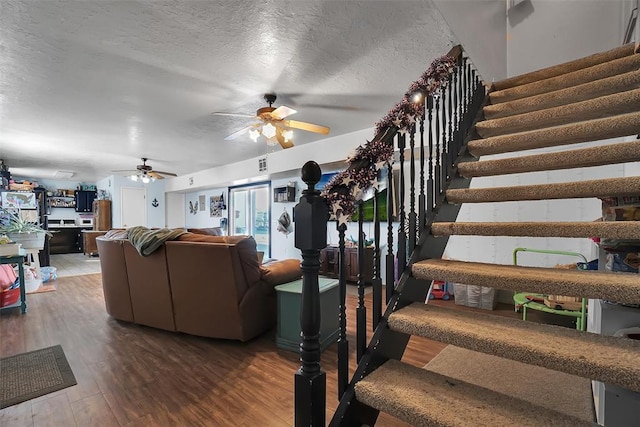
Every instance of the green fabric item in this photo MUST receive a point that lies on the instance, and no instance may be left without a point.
(146, 241)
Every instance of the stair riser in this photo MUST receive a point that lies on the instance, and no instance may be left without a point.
(622, 83)
(597, 72)
(576, 190)
(605, 106)
(611, 127)
(595, 156)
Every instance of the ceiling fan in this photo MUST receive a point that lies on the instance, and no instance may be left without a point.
(272, 124)
(145, 173)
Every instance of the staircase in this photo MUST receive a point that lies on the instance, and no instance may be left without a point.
(590, 99)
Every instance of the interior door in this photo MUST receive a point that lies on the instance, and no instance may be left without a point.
(134, 207)
(250, 214)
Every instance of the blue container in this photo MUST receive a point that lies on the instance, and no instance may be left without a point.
(48, 273)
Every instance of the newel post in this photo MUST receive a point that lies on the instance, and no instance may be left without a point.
(310, 215)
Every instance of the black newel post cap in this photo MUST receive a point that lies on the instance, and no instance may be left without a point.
(311, 213)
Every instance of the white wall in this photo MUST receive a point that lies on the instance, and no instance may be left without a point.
(203, 218)
(155, 190)
(479, 26)
(542, 33)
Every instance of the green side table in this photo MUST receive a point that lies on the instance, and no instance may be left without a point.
(289, 296)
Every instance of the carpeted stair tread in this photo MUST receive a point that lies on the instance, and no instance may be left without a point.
(586, 75)
(603, 87)
(602, 229)
(424, 398)
(604, 106)
(621, 287)
(566, 67)
(599, 357)
(624, 152)
(574, 133)
(627, 186)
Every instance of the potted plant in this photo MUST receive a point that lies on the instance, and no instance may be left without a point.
(30, 234)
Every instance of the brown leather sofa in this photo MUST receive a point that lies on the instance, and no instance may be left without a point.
(211, 286)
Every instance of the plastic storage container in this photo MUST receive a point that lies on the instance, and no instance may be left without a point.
(48, 273)
(475, 296)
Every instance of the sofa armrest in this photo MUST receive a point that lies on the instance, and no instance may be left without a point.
(278, 272)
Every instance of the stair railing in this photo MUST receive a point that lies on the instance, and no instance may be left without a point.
(436, 114)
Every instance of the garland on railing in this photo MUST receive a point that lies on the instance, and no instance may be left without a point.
(350, 185)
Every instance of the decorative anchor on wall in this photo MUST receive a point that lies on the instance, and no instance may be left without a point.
(155, 203)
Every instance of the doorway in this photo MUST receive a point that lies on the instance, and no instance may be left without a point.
(134, 207)
(250, 214)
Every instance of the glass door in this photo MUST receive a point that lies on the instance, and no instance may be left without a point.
(249, 213)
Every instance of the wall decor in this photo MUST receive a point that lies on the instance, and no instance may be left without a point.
(216, 205)
(155, 203)
(202, 199)
(193, 207)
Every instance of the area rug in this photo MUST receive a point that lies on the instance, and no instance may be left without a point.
(546, 388)
(29, 375)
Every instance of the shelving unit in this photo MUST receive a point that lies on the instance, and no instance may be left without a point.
(62, 202)
(284, 194)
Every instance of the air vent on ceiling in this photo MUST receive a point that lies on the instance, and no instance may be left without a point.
(262, 164)
(63, 174)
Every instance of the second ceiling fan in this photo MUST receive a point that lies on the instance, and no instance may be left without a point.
(272, 124)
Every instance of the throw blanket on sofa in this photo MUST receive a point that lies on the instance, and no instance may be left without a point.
(146, 241)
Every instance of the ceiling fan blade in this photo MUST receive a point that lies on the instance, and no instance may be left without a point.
(282, 111)
(155, 175)
(238, 133)
(310, 127)
(220, 113)
(284, 144)
(163, 173)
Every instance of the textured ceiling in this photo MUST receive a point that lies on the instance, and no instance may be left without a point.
(92, 86)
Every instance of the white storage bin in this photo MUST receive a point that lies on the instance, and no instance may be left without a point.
(475, 296)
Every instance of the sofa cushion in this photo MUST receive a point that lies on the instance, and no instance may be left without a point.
(245, 245)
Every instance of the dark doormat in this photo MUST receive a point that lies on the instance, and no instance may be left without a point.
(29, 375)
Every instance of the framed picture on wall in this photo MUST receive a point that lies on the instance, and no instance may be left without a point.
(216, 205)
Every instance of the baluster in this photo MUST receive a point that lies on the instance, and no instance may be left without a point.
(421, 199)
(437, 175)
(463, 74)
(430, 191)
(361, 310)
(470, 93)
(377, 281)
(443, 146)
(311, 215)
(412, 189)
(390, 279)
(343, 343)
(454, 118)
(402, 237)
(450, 142)
(461, 131)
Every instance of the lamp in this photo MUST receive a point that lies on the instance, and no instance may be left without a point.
(142, 176)
(269, 131)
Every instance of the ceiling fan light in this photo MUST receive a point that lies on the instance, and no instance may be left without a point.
(133, 177)
(272, 141)
(145, 179)
(254, 134)
(269, 130)
(287, 135)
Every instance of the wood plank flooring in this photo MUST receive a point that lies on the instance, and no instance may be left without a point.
(130, 375)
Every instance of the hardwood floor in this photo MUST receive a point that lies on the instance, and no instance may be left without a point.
(131, 375)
